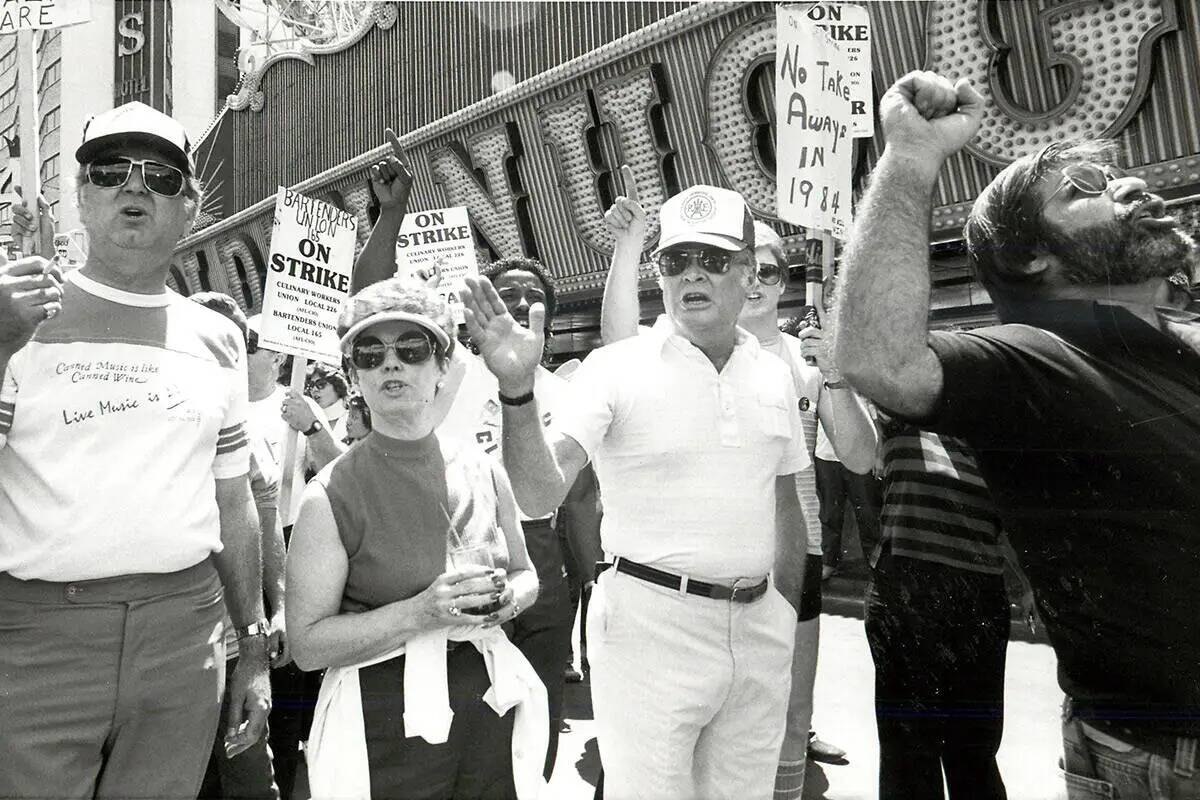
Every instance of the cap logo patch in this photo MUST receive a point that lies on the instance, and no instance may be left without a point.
(697, 208)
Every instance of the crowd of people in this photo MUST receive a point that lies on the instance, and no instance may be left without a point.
(172, 624)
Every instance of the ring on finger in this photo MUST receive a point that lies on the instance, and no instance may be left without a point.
(49, 311)
(454, 610)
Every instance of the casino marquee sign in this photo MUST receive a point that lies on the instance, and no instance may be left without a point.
(687, 100)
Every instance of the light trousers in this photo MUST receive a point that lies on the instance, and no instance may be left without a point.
(689, 694)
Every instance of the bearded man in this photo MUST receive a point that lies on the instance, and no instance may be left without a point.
(1083, 408)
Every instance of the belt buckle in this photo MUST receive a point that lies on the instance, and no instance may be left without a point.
(740, 593)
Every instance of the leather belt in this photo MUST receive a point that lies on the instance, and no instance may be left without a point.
(680, 583)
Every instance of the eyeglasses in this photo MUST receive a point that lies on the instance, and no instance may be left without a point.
(512, 296)
(1091, 179)
(162, 179)
(712, 260)
(369, 352)
(251, 343)
(317, 384)
(770, 274)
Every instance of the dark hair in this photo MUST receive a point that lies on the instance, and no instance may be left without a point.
(400, 294)
(226, 306)
(318, 371)
(497, 268)
(1005, 229)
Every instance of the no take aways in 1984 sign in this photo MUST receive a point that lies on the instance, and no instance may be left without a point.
(813, 118)
(308, 277)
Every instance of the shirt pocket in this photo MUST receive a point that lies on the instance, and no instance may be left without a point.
(773, 415)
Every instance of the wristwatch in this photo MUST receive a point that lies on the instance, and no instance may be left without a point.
(316, 426)
(259, 627)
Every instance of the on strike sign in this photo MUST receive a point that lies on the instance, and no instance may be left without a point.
(308, 279)
(813, 118)
(439, 240)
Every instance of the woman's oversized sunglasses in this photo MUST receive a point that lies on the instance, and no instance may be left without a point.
(369, 352)
(111, 173)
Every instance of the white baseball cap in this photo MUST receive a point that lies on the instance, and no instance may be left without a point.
(709, 215)
(136, 122)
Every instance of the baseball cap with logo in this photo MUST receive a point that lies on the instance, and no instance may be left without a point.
(706, 215)
(136, 123)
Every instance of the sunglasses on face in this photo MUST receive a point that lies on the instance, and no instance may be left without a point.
(318, 384)
(770, 274)
(1090, 179)
(369, 352)
(110, 173)
(712, 260)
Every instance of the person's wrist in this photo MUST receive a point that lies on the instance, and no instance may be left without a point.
(916, 162)
(516, 388)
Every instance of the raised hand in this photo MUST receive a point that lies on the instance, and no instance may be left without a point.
(511, 351)
(925, 115)
(30, 293)
(391, 179)
(626, 218)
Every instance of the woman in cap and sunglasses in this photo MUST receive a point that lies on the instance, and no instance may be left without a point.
(375, 596)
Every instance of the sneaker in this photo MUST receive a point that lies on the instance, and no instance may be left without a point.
(824, 752)
(571, 675)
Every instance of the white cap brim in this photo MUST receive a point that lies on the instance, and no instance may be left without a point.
(347, 340)
(697, 237)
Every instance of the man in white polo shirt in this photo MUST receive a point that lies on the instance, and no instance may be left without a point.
(696, 438)
(123, 483)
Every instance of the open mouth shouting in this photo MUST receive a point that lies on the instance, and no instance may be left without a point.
(695, 300)
(393, 387)
(1151, 213)
(134, 213)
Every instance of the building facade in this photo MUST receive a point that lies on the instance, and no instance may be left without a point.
(683, 94)
(179, 56)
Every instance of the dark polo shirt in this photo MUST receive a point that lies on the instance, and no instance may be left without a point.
(1086, 422)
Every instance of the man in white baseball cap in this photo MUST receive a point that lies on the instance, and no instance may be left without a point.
(113, 671)
(696, 437)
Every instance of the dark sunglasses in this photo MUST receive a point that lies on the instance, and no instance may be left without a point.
(712, 260)
(1091, 179)
(317, 384)
(110, 173)
(251, 343)
(770, 274)
(369, 352)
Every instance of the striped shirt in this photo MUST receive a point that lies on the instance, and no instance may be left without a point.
(116, 420)
(936, 506)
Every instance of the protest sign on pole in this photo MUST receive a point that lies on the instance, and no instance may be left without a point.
(850, 26)
(439, 240)
(812, 107)
(308, 277)
(30, 15)
(308, 281)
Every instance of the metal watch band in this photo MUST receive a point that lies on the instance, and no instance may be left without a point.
(256, 628)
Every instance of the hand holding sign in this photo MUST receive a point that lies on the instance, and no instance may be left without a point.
(391, 179)
(924, 114)
(34, 232)
(626, 217)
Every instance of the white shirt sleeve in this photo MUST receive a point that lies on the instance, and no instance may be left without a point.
(233, 443)
(795, 455)
(588, 401)
(8, 396)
